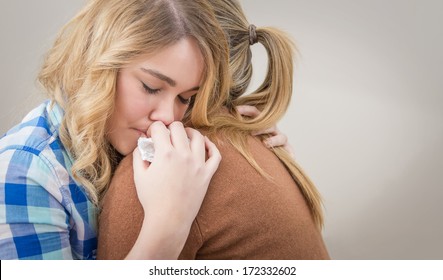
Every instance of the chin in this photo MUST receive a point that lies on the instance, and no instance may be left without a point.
(125, 148)
(126, 141)
(124, 151)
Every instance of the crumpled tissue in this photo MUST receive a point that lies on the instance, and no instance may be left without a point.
(146, 148)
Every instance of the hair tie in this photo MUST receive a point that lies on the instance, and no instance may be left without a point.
(252, 35)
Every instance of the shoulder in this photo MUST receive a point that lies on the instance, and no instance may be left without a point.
(31, 153)
(33, 133)
(249, 216)
(37, 133)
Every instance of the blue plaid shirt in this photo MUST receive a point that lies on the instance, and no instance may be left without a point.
(44, 213)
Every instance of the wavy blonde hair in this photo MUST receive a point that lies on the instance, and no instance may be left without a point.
(80, 71)
(272, 97)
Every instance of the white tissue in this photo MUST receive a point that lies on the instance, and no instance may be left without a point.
(146, 148)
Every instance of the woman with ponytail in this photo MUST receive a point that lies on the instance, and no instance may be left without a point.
(259, 204)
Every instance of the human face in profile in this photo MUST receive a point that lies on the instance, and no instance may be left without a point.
(158, 87)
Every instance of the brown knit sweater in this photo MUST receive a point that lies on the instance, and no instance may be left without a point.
(243, 216)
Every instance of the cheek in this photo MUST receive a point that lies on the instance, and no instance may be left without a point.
(130, 101)
(132, 110)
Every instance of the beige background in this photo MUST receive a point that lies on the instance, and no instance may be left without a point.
(365, 121)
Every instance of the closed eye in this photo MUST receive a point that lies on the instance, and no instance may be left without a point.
(185, 101)
(150, 90)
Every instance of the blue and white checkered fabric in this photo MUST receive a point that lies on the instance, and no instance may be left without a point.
(44, 213)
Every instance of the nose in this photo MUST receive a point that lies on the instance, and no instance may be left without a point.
(164, 112)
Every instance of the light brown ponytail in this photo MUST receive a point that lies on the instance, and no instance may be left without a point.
(272, 97)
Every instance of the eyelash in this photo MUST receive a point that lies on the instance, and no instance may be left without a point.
(184, 101)
(155, 91)
(150, 90)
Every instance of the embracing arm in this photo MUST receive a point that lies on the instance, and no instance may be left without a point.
(170, 192)
(121, 223)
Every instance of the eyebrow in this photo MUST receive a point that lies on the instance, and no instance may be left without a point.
(159, 75)
(165, 78)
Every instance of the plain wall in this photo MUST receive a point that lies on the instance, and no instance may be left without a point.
(365, 120)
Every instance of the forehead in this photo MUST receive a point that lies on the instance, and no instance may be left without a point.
(182, 61)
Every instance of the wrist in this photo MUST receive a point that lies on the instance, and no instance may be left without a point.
(159, 240)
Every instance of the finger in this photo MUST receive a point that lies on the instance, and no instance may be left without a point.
(247, 110)
(276, 141)
(160, 135)
(179, 138)
(214, 157)
(272, 131)
(197, 143)
(138, 164)
(289, 149)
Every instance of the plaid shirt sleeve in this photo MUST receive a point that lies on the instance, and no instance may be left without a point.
(33, 222)
(44, 214)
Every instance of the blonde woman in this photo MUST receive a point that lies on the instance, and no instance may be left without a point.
(260, 204)
(118, 70)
